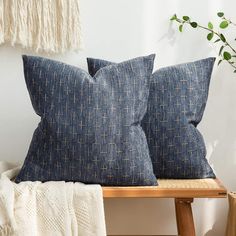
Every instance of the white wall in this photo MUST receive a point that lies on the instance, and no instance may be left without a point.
(121, 29)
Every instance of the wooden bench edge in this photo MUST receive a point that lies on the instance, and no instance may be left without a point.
(157, 192)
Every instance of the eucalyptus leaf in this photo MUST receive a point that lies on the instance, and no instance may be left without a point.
(224, 24)
(210, 25)
(220, 14)
(174, 17)
(181, 28)
(186, 18)
(226, 55)
(222, 38)
(218, 40)
(210, 36)
(220, 51)
(194, 24)
(219, 62)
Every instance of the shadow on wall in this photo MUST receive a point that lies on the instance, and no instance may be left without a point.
(141, 217)
(215, 229)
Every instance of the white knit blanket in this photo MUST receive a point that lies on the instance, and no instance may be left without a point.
(49, 209)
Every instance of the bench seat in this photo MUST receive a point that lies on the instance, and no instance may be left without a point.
(183, 192)
(171, 188)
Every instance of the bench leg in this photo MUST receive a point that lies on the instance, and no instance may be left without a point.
(184, 217)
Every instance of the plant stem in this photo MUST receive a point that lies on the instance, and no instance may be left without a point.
(230, 22)
(216, 33)
(232, 65)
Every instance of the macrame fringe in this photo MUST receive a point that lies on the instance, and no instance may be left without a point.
(41, 25)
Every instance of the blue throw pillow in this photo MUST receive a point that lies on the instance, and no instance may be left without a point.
(90, 126)
(177, 99)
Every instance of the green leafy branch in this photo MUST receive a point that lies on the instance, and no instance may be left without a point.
(227, 52)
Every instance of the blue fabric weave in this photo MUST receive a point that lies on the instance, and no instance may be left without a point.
(177, 99)
(90, 126)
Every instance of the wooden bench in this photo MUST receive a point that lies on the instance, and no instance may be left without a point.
(183, 192)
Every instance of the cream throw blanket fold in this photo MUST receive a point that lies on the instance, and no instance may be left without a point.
(49, 209)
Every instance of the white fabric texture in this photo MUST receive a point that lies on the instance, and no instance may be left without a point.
(46, 26)
(51, 208)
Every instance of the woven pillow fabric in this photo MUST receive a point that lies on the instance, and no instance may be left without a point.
(90, 126)
(177, 99)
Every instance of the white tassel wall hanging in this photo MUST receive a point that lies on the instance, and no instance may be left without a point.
(51, 26)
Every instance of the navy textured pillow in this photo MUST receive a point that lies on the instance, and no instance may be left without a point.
(177, 99)
(90, 126)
